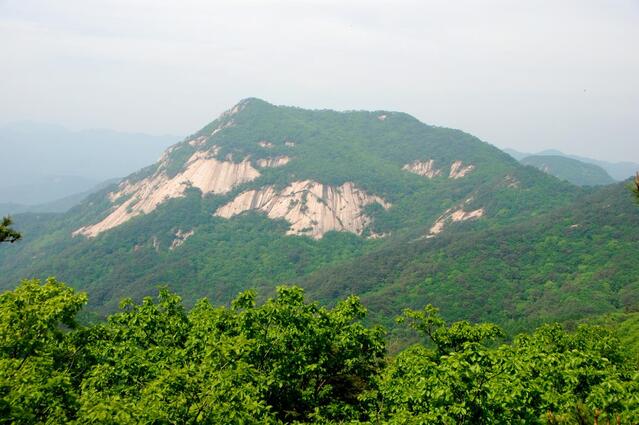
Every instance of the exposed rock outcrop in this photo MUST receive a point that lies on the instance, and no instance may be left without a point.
(226, 119)
(202, 171)
(423, 168)
(453, 215)
(180, 238)
(198, 141)
(156, 243)
(511, 182)
(311, 208)
(273, 162)
(265, 144)
(224, 125)
(459, 170)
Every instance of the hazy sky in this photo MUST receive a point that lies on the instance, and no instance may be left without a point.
(529, 75)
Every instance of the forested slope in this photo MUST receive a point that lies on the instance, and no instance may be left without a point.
(568, 264)
(376, 204)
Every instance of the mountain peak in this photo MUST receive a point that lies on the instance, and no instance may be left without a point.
(249, 102)
(253, 100)
(318, 170)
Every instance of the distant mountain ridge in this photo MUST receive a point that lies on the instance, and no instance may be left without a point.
(48, 162)
(619, 171)
(60, 205)
(39, 189)
(571, 170)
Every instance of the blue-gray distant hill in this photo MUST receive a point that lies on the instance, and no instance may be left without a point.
(619, 171)
(49, 162)
(571, 170)
(60, 205)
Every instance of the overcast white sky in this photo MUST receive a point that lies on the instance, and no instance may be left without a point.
(529, 75)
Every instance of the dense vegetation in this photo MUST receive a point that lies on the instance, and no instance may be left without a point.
(569, 264)
(287, 360)
(545, 250)
(572, 170)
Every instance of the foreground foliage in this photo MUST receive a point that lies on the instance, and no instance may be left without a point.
(7, 234)
(288, 361)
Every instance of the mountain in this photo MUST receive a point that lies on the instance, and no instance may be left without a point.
(57, 206)
(619, 171)
(369, 202)
(49, 162)
(572, 170)
(42, 189)
(516, 154)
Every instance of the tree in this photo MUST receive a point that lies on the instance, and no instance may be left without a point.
(40, 357)
(290, 361)
(636, 188)
(450, 383)
(461, 377)
(285, 360)
(7, 234)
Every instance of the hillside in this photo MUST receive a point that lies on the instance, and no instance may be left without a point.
(564, 265)
(571, 170)
(375, 203)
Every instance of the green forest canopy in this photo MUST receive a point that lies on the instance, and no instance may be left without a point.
(290, 361)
